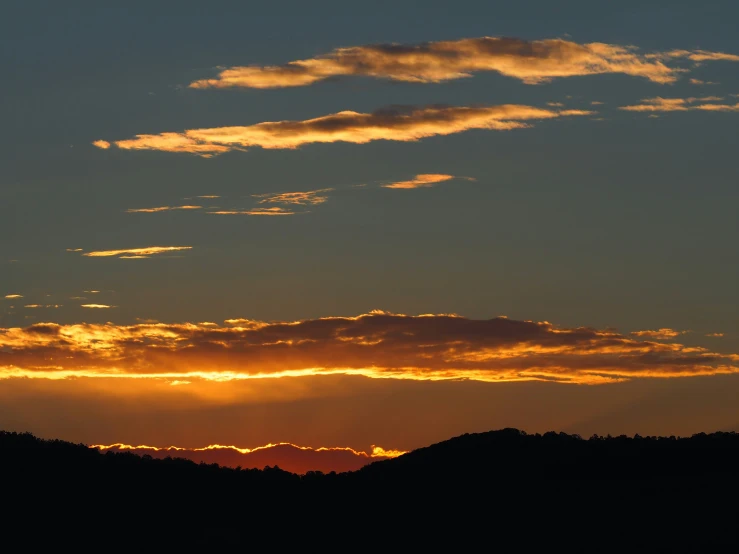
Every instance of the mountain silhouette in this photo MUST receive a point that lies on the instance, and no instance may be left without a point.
(503, 490)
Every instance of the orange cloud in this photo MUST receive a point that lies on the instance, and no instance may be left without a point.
(532, 62)
(375, 345)
(74, 249)
(290, 457)
(716, 335)
(309, 197)
(161, 209)
(103, 144)
(660, 104)
(699, 82)
(397, 124)
(423, 180)
(96, 306)
(697, 55)
(11, 296)
(211, 196)
(136, 252)
(659, 333)
(255, 211)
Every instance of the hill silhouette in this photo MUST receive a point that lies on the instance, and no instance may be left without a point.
(508, 489)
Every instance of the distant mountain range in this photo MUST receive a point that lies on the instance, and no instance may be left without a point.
(511, 490)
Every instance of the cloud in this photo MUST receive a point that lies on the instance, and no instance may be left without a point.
(103, 144)
(43, 306)
(97, 306)
(375, 345)
(665, 333)
(697, 55)
(290, 457)
(532, 62)
(556, 104)
(398, 124)
(716, 335)
(74, 249)
(136, 252)
(309, 197)
(255, 211)
(423, 180)
(699, 82)
(10, 296)
(161, 209)
(211, 196)
(659, 104)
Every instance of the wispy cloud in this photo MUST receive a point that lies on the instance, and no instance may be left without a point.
(161, 209)
(376, 345)
(210, 196)
(664, 333)
(659, 104)
(74, 249)
(103, 144)
(715, 335)
(97, 306)
(11, 296)
(43, 306)
(397, 124)
(532, 62)
(696, 55)
(255, 211)
(699, 82)
(136, 252)
(423, 180)
(309, 197)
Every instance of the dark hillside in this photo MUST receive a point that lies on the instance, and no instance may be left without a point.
(513, 490)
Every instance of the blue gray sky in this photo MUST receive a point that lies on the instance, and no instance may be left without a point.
(588, 216)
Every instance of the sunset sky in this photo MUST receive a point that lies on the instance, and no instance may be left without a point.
(367, 230)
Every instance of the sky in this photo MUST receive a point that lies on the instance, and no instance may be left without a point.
(367, 230)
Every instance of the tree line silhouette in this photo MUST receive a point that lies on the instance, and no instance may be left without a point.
(514, 490)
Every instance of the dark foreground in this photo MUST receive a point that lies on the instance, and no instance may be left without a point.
(500, 491)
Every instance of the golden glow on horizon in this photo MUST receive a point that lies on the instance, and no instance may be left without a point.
(378, 345)
(376, 452)
(347, 126)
